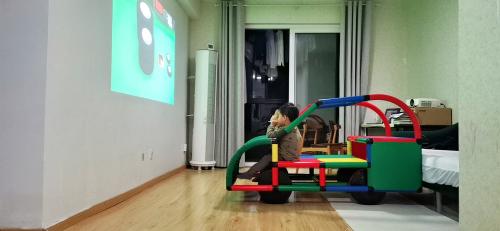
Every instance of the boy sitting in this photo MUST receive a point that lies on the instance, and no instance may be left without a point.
(289, 144)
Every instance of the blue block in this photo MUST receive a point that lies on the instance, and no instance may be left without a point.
(347, 188)
(306, 156)
(341, 102)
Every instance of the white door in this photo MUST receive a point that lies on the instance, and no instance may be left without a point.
(315, 73)
(315, 70)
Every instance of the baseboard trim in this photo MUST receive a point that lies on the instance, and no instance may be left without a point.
(9, 229)
(111, 202)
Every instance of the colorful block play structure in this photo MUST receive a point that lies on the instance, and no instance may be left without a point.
(372, 166)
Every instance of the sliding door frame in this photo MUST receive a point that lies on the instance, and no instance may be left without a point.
(302, 28)
(309, 28)
(313, 30)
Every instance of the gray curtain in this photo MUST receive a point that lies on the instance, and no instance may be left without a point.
(357, 53)
(230, 84)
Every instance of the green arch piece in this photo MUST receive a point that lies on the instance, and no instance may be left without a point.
(233, 166)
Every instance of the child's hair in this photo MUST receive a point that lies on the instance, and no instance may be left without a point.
(289, 110)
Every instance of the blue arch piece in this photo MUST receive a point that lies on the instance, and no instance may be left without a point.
(341, 102)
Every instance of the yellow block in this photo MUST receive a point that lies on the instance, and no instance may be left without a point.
(349, 148)
(341, 160)
(275, 152)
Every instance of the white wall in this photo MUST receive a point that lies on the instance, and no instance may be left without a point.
(479, 84)
(432, 50)
(297, 12)
(94, 137)
(206, 29)
(191, 7)
(389, 53)
(203, 30)
(414, 51)
(293, 14)
(23, 40)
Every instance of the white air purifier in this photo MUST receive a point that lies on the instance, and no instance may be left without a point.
(204, 108)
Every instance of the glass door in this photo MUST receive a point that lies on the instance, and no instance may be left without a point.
(267, 78)
(316, 69)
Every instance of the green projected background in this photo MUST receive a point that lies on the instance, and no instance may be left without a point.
(143, 50)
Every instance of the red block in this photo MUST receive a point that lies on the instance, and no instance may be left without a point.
(384, 139)
(359, 150)
(394, 139)
(322, 177)
(252, 188)
(309, 163)
(275, 176)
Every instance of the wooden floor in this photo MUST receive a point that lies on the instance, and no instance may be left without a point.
(192, 200)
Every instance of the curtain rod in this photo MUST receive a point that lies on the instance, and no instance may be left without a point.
(278, 5)
(363, 2)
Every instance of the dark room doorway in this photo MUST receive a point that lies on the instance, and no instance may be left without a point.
(267, 82)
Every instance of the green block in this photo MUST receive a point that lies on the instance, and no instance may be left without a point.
(395, 166)
(301, 187)
(317, 184)
(363, 140)
(306, 184)
(337, 184)
(346, 165)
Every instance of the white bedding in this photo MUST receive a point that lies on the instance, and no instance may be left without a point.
(440, 167)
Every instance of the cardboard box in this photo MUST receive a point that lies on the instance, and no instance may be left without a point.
(433, 116)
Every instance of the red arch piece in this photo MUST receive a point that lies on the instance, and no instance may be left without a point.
(394, 100)
(374, 108)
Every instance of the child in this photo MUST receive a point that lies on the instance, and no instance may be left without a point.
(289, 145)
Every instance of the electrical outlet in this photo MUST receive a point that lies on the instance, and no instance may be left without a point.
(185, 147)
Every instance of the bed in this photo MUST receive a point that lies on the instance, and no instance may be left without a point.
(440, 171)
(440, 167)
(440, 161)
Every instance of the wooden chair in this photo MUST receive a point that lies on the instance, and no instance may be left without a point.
(314, 130)
(330, 147)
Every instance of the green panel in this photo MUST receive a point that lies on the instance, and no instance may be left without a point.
(347, 165)
(233, 166)
(303, 188)
(395, 166)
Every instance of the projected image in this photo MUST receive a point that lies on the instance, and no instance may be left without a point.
(143, 50)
